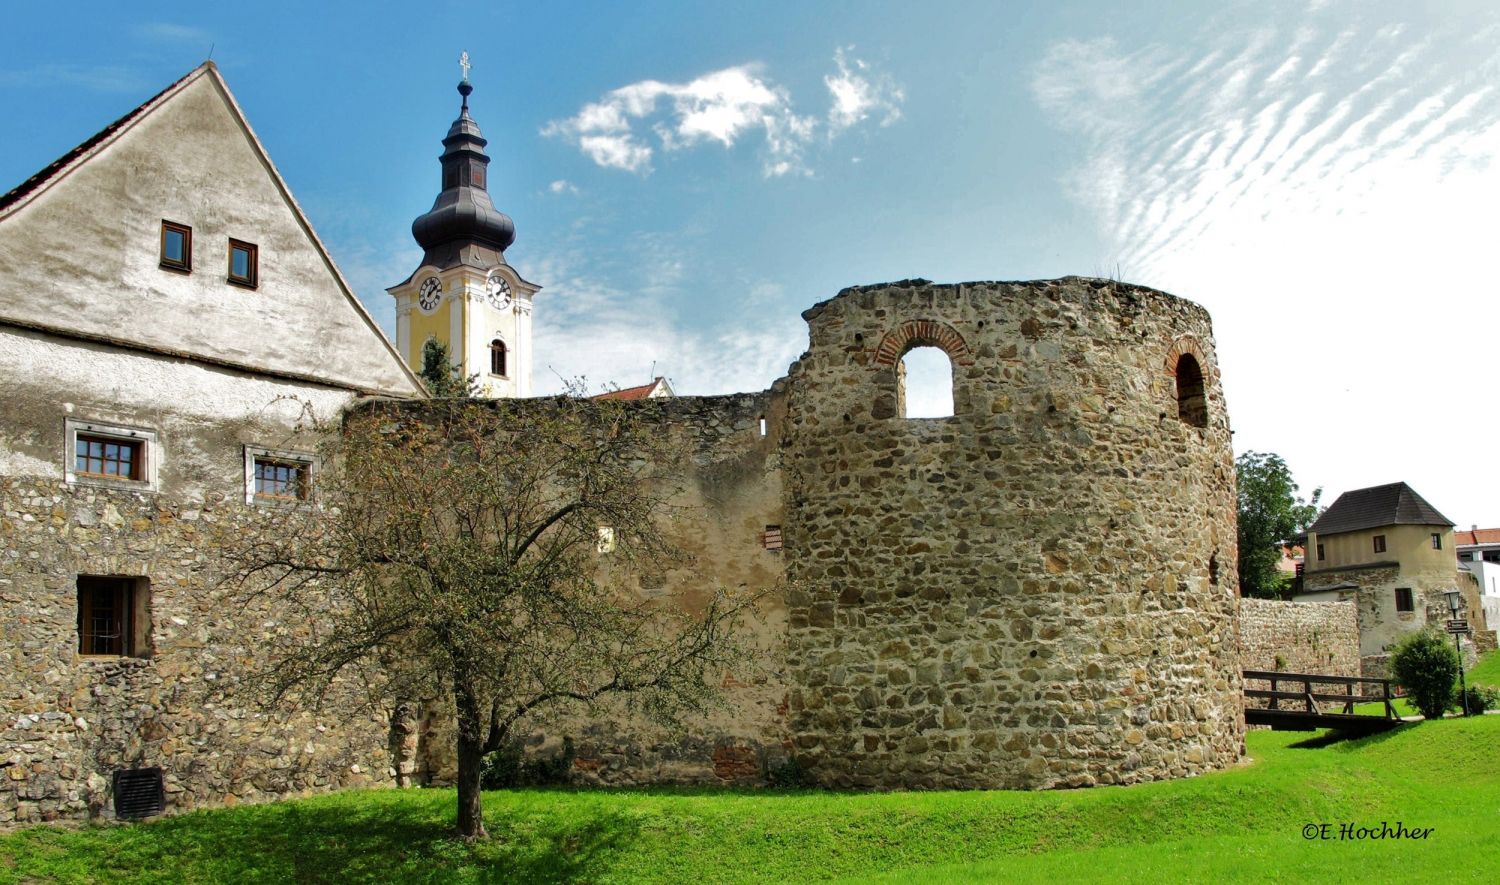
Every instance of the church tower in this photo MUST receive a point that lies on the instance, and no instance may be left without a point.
(465, 294)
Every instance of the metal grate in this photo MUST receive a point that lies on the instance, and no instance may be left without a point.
(139, 792)
(771, 538)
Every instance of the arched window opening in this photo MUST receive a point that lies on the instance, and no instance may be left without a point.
(1192, 408)
(762, 425)
(497, 357)
(924, 384)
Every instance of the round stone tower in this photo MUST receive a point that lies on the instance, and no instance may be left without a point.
(1038, 591)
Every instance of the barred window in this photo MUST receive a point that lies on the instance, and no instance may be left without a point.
(113, 616)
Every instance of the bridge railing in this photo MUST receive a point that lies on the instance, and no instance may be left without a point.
(1296, 693)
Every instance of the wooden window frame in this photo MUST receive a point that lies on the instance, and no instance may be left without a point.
(1437, 541)
(252, 280)
(1404, 594)
(1320, 553)
(186, 264)
(130, 616)
(1379, 543)
(256, 456)
(147, 462)
(136, 462)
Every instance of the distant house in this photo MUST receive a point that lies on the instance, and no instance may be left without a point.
(659, 387)
(1394, 554)
(1479, 552)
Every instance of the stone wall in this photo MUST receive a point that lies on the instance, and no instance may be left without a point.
(1299, 637)
(728, 492)
(67, 721)
(1036, 592)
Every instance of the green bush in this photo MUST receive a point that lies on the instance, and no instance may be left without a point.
(509, 767)
(1426, 665)
(789, 775)
(1481, 697)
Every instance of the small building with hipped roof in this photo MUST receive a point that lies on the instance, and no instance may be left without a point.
(1391, 552)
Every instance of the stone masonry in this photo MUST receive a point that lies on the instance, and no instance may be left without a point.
(1299, 637)
(1038, 591)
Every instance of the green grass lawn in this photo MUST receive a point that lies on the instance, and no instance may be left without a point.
(1243, 824)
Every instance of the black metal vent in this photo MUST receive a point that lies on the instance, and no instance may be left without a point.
(139, 792)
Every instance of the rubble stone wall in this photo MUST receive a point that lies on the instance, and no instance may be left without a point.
(1038, 591)
(1300, 637)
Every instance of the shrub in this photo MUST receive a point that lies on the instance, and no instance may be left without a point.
(509, 767)
(1481, 697)
(789, 775)
(1426, 665)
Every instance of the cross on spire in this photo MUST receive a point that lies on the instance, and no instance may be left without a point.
(463, 62)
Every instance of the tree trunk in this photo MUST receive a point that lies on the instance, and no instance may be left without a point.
(470, 760)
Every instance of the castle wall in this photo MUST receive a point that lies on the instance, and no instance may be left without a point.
(1300, 637)
(1036, 592)
(729, 492)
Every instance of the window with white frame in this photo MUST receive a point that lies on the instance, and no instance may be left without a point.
(277, 476)
(111, 455)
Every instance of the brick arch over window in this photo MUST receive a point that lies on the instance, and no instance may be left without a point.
(1187, 368)
(923, 333)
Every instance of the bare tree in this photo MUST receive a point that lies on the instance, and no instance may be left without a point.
(457, 544)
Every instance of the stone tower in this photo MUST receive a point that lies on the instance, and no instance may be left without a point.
(464, 293)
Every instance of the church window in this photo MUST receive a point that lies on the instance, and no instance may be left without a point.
(497, 357)
(1380, 543)
(1404, 600)
(1437, 541)
(276, 477)
(114, 616)
(925, 383)
(176, 246)
(1192, 408)
(243, 263)
(99, 454)
(762, 425)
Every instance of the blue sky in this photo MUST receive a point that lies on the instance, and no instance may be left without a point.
(687, 177)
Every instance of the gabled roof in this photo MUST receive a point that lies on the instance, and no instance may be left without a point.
(1393, 504)
(1476, 537)
(324, 336)
(657, 388)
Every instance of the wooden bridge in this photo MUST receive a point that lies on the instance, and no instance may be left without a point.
(1297, 702)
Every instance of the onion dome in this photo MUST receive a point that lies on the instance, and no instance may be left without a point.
(463, 226)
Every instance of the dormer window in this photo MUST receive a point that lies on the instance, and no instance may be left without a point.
(176, 246)
(243, 264)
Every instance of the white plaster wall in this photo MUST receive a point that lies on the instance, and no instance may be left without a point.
(204, 415)
(82, 255)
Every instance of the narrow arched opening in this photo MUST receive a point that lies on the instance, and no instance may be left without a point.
(497, 357)
(924, 384)
(1192, 407)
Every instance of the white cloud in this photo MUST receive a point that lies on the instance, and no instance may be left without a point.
(1327, 193)
(167, 32)
(859, 93)
(562, 186)
(95, 78)
(721, 107)
(587, 327)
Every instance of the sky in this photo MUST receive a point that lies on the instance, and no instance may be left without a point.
(686, 178)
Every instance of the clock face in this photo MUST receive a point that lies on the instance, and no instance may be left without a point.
(497, 291)
(430, 295)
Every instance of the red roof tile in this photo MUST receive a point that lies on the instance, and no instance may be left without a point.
(1477, 536)
(642, 392)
